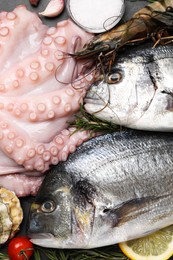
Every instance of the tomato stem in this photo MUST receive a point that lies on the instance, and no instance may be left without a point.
(22, 252)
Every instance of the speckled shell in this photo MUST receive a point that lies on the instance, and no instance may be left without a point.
(11, 214)
(5, 223)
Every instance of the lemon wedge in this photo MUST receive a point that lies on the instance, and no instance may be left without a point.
(157, 246)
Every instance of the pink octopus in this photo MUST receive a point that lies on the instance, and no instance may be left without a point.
(34, 106)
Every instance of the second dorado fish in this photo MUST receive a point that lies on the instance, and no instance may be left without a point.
(138, 92)
(114, 188)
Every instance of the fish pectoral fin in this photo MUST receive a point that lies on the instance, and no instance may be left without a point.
(129, 210)
(169, 99)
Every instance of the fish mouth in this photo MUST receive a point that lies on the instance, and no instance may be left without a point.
(98, 94)
(34, 236)
(93, 103)
(94, 98)
(42, 239)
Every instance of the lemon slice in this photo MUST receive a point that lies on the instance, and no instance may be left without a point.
(157, 246)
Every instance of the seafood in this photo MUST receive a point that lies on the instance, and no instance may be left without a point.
(137, 92)
(151, 21)
(11, 214)
(37, 97)
(113, 188)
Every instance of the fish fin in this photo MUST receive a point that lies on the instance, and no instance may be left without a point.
(169, 99)
(128, 211)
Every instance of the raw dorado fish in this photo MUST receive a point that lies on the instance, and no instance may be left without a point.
(114, 188)
(138, 91)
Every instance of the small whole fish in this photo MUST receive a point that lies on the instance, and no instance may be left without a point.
(114, 188)
(138, 91)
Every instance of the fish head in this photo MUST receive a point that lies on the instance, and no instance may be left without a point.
(60, 217)
(123, 94)
(50, 215)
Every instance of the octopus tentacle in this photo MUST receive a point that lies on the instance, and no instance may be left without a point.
(21, 148)
(21, 184)
(16, 29)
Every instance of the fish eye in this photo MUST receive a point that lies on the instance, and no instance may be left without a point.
(114, 78)
(169, 9)
(48, 206)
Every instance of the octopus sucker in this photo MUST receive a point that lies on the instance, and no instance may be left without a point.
(11, 16)
(51, 31)
(35, 65)
(60, 40)
(4, 31)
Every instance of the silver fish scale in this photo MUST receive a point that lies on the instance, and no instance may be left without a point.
(146, 54)
(132, 165)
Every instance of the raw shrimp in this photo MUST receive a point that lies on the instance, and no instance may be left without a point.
(153, 21)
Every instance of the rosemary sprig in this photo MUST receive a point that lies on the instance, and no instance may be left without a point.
(107, 253)
(110, 253)
(85, 121)
(37, 254)
(4, 256)
(51, 254)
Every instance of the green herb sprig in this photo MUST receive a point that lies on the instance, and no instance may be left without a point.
(4, 256)
(85, 121)
(107, 253)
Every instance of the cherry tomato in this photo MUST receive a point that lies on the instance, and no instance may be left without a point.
(20, 248)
